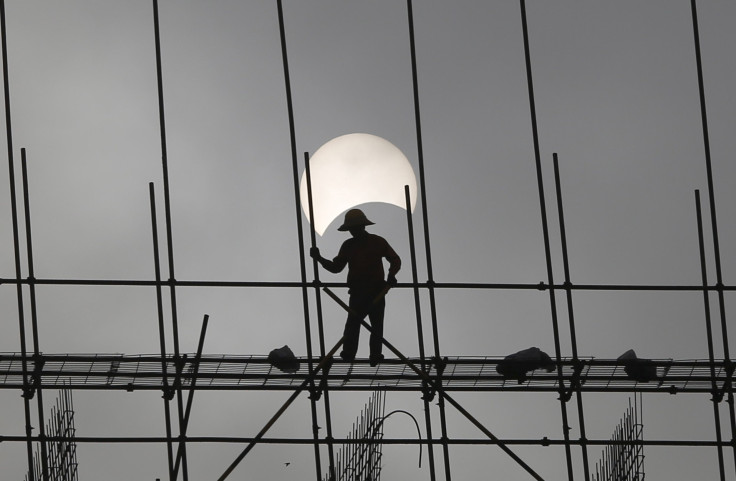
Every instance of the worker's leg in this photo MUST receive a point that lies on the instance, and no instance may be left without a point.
(351, 334)
(376, 317)
(352, 326)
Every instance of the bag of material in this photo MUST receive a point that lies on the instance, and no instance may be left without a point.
(284, 359)
(640, 370)
(517, 365)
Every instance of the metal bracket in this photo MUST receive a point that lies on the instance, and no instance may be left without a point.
(112, 372)
(35, 380)
(440, 365)
(718, 395)
(168, 393)
(315, 392)
(577, 367)
(179, 363)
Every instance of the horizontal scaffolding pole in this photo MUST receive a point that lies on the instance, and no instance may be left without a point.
(544, 442)
(540, 286)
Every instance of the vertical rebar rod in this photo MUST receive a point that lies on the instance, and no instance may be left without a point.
(354, 452)
(373, 447)
(713, 217)
(169, 236)
(629, 450)
(709, 335)
(639, 433)
(34, 314)
(639, 448)
(360, 448)
(571, 315)
(545, 233)
(420, 331)
(318, 304)
(425, 221)
(161, 331)
(300, 234)
(16, 241)
(383, 412)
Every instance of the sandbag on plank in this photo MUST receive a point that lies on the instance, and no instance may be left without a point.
(517, 365)
(640, 370)
(284, 359)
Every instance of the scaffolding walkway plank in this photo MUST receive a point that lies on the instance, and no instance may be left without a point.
(254, 372)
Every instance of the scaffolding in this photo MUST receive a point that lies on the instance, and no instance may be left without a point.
(433, 375)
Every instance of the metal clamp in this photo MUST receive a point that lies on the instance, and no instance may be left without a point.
(577, 367)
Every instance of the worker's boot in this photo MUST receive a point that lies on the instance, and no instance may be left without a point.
(377, 359)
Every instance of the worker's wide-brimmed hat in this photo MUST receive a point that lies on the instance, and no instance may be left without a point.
(354, 218)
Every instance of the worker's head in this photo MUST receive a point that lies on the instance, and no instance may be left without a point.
(355, 221)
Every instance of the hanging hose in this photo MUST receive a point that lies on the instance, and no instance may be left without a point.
(419, 432)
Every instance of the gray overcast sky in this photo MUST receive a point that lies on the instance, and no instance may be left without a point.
(617, 99)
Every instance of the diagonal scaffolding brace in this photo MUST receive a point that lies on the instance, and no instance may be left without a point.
(438, 388)
(325, 364)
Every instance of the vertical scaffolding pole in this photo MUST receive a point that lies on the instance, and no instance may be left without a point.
(709, 334)
(571, 318)
(161, 333)
(318, 302)
(34, 318)
(16, 242)
(420, 331)
(169, 238)
(713, 217)
(300, 233)
(545, 232)
(192, 387)
(425, 221)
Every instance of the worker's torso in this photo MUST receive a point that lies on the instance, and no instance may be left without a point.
(365, 260)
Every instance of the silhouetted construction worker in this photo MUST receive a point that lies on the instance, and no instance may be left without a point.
(363, 254)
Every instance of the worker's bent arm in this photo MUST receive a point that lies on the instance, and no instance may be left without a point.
(334, 266)
(394, 261)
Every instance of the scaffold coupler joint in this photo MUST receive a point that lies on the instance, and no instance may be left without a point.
(428, 393)
(730, 367)
(28, 392)
(168, 393)
(315, 392)
(717, 396)
(440, 363)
